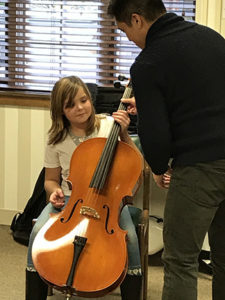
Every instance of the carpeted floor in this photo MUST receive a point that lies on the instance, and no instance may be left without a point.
(12, 274)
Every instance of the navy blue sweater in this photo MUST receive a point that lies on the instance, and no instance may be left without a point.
(179, 85)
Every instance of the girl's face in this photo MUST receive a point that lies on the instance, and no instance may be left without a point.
(79, 112)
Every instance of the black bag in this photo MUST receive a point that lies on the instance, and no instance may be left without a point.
(21, 225)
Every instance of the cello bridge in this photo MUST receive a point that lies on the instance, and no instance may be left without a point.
(90, 212)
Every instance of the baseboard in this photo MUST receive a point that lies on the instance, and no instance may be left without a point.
(6, 216)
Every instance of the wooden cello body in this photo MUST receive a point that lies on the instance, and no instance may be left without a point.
(82, 250)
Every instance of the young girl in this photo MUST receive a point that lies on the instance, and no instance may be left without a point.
(74, 121)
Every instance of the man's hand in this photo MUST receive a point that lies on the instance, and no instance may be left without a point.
(131, 108)
(158, 180)
(163, 181)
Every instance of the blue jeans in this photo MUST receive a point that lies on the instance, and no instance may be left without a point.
(195, 204)
(126, 223)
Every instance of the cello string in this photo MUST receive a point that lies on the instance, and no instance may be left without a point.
(101, 171)
(112, 143)
(103, 160)
(108, 152)
(109, 160)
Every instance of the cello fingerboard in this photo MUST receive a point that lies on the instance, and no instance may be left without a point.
(103, 166)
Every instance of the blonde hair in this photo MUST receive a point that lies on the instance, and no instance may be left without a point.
(66, 89)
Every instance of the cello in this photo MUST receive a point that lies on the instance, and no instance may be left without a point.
(82, 250)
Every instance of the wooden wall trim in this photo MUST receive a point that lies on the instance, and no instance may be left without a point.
(24, 99)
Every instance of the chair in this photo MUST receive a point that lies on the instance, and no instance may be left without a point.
(143, 224)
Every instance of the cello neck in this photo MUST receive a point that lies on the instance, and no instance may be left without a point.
(116, 127)
(127, 94)
(102, 169)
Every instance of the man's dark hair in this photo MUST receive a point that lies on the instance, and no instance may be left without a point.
(123, 9)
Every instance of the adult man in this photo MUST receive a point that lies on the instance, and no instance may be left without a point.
(179, 86)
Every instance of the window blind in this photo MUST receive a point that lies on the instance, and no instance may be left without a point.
(44, 40)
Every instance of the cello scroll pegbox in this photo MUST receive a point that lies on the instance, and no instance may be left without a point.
(117, 84)
(122, 78)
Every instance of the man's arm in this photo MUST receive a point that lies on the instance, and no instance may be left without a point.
(153, 119)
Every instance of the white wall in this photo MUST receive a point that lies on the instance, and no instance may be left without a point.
(23, 134)
(211, 13)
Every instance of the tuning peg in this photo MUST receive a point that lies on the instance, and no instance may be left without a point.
(122, 78)
(117, 84)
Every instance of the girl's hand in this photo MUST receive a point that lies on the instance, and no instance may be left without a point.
(57, 198)
(122, 117)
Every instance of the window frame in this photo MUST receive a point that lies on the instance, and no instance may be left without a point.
(37, 98)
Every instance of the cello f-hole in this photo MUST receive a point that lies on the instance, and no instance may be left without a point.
(107, 220)
(72, 211)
